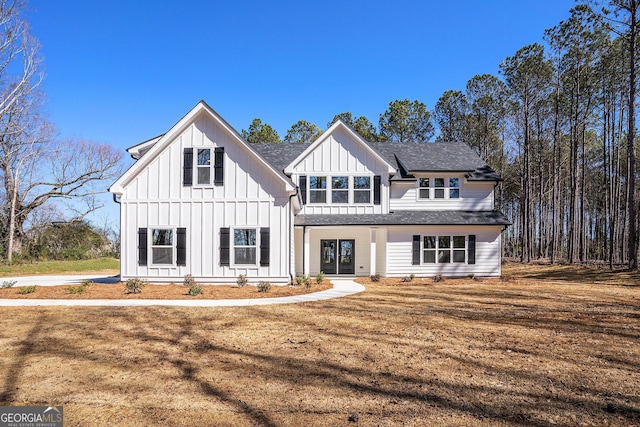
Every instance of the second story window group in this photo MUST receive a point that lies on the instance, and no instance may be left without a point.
(438, 188)
(340, 189)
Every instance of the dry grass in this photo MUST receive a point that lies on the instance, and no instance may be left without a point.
(524, 352)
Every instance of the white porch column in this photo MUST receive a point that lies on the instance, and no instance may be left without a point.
(372, 252)
(307, 250)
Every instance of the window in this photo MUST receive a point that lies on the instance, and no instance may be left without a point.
(245, 246)
(454, 188)
(424, 188)
(203, 166)
(438, 193)
(429, 249)
(435, 188)
(340, 189)
(317, 189)
(361, 189)
(162, 246)
(444, 249)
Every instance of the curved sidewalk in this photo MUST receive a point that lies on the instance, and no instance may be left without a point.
(341, 288)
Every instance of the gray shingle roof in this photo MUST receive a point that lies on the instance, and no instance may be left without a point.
(279, 154)
(435, 157)
(448, 217)
(408, 157)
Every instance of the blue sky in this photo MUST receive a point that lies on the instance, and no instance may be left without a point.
(123, 71)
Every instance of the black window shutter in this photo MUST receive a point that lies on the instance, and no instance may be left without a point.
(303, 188)
(224, 246)
(415, 259)
(187, 168)
(376, 189)
(471, 250)
(142, 246)
(182, 246)
(218, 166)
(264, 246)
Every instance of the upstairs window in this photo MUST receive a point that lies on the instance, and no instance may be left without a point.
(423, 191)
(438, 188)
(197, 166)
(317, 189)
(454, 188)
(361, 189)
(340, 189)
(438, 184)
(203, 166)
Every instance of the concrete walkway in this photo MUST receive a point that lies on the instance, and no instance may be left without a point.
(341, 288)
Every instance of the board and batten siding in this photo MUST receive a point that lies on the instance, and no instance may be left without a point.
(341, 155)
(474, 195)
(250, 196)
(487, 253)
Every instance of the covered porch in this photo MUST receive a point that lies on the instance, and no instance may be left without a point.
(340, 250)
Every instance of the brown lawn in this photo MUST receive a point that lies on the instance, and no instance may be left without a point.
(523, 352)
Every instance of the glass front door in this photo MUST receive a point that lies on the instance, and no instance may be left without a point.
(328, 256)
(337, 256)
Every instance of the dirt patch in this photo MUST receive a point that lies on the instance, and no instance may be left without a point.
(164, 292)
(524, 352)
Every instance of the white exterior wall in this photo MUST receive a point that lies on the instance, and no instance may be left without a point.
(250, 196)
(474, 195)
(488, 251)
(342, 155)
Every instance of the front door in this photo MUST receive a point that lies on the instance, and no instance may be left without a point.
(337, 256)
(346, 264)
(328, 256)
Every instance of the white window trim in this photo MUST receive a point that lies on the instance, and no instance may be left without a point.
(150, 246)
(232, 247)
(351, 188)
(451, 249)
(196, 167)
(431, 188)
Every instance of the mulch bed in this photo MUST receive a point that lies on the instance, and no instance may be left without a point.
(165, 292)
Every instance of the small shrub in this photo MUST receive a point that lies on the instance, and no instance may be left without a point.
(75, 289)
(27, 290)
(264, 286)
(438, 278)
(134, 286)
(242, 281)
(412, 276)
(189, 280)
(320, 278)
(375, 277)
(471, 275)
(8, 283)
(195, 290)
(300, 280)
(86, 282)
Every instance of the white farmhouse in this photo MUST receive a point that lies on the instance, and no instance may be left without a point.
(201, 200)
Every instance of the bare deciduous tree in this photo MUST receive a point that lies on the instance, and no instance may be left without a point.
(34, 167)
